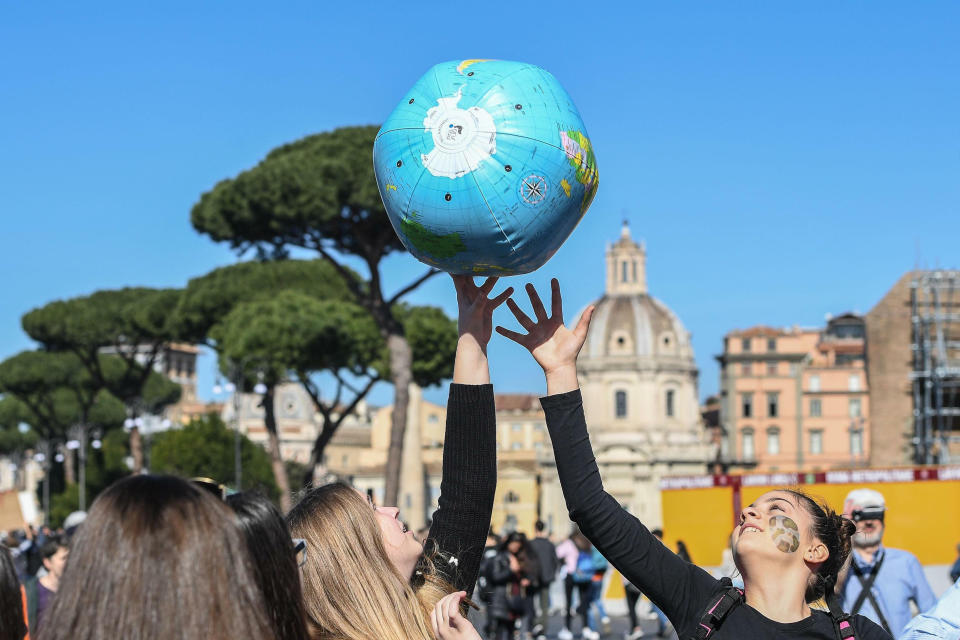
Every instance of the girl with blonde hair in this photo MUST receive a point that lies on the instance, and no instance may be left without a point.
(366, 577)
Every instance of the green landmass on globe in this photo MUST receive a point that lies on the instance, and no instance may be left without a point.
(580, 152)
(439, 246)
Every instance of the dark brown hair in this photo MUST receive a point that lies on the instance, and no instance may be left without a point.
(835, 532)
(274, 558)
(12, 624)
(158, 558)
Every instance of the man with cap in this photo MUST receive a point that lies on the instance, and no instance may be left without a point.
(881, 581)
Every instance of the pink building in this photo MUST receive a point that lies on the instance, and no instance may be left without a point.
(795, 399)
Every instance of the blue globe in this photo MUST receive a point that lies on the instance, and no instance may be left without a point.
(485, 167)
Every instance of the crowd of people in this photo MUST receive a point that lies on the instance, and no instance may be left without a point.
(161, 557)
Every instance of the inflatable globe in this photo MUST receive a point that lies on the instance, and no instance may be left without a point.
(485, 167)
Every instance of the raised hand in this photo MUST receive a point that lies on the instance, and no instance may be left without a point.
(475, 324)
(449, 623)
(553, 345)
(476, 308)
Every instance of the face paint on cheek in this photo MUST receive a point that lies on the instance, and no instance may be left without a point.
(785, 533)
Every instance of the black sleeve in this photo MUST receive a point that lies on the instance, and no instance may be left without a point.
(462, 519)
(680, 589)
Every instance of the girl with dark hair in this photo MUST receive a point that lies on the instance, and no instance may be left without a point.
(158, 558)
(788, 548)
(365, 575)
(13, 626)
(274, 561)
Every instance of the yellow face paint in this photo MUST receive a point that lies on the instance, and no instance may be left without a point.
(785, 533)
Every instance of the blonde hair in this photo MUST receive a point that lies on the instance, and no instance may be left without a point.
(351, 589)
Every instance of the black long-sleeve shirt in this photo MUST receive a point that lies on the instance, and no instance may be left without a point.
(469, 481)
(682, 590)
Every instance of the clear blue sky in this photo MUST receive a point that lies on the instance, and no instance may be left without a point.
(781, 161)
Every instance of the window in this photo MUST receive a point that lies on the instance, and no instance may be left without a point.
(511, 497)
(747, 444)
(816, 410)
(516, 446)
(772, 368)
(623, 272)
(856, 442)
(853, 384)
(816, 442)
(670, 403)
(746, 405)
(539, 426)
(620, 401)
(516, 427)
(773, 404)
(773, 441)
(745, 344)
(771, 344)
(634, 270)
(814, 383)
(855, 411)
(746, 369)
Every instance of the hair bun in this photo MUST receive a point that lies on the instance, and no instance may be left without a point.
(845, 526)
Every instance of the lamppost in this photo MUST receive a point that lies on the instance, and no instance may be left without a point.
(235, 384)
(43, 459)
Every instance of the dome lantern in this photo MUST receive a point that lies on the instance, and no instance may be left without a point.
(626, 265)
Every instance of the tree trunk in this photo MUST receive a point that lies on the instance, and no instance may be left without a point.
(69, 468)
(273, 439)
(319, 445)
(136, 450)
(401, 374)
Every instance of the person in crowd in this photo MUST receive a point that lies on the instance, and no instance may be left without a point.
(275, 562)
(13, 624)
(683, 552)
(788, 547)
(546, 554)
(518, 545)
(595, 595)
(940, 622)
(955, 569)
(663, 623)
(41, 591)
(583, 578)
(158, 558)
(633, 597)
(569, 552)
(484, 588)
(506, 577)
(365, 575)
(881, 581)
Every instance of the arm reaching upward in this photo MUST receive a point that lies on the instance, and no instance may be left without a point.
(677, 587)
(469, 479)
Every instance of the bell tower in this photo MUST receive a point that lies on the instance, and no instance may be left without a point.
(626, 265)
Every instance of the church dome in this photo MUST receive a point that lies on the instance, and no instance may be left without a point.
(629, 323)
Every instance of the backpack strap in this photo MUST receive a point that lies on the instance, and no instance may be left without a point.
(841, 621)
(718, 609)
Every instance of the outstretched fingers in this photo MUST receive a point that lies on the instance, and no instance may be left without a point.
(535, 302)
(500, 299)
(556, 301)
(519, 338)
(487, 285)
(521, 317)
(584, 324)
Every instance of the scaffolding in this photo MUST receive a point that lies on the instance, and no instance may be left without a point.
(935, 313)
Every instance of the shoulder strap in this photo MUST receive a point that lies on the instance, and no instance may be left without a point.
(718, 609)
(866, 592)
(842, 626)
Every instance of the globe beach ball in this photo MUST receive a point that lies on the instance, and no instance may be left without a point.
(485, 167)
